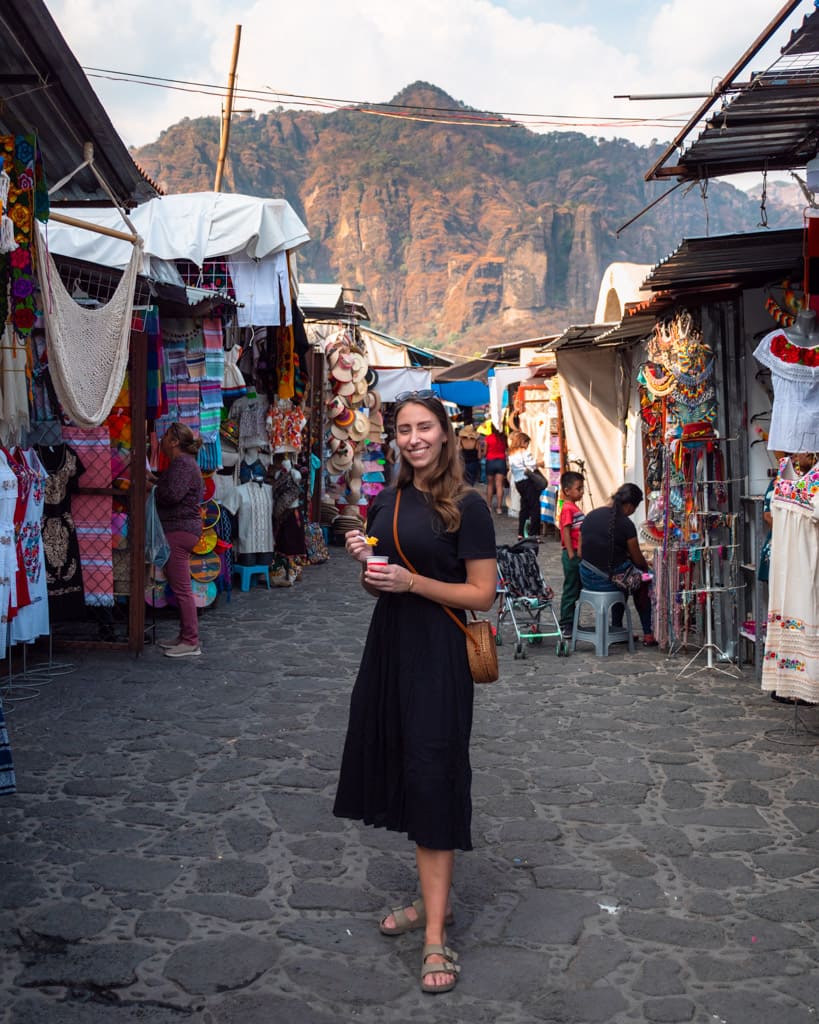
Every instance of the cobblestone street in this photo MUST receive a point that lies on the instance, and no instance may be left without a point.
(645, 845)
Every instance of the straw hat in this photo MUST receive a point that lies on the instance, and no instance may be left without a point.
(345, 419)
(346, 388)
(359, 366)
(342, 458)
(373, 401)
(360, 427)
(335, 406)
(342, 367)
(338, 434)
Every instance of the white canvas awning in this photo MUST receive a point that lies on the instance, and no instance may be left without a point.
(196, 227)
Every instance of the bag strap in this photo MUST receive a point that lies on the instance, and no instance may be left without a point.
(412, 569)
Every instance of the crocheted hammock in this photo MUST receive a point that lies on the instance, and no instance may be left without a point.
(87, 348)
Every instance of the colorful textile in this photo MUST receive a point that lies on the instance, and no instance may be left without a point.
(209, 421)
(92, 513)
(790, 667)
(8, 548)
(187, 394)
(214, 350)
(210, 395)
(156, 404)
(27, 200)
(210, 455)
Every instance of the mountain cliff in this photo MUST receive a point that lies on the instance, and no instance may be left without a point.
(456, 236)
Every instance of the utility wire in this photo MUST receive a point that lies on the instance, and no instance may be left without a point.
(411, 112)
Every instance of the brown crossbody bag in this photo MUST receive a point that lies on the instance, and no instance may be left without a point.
(481, 649)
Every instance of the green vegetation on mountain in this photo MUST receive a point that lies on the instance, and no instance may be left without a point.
(454, 232)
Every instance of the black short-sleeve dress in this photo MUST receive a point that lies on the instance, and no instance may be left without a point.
(406, 765)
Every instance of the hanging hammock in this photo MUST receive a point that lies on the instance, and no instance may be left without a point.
(87, 348)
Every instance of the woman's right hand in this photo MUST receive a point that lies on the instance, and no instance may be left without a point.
(355, 543)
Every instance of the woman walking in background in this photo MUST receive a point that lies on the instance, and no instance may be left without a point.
(521, 460)
(470, 444)
(496, 467)
(406, 764)
(178, 497)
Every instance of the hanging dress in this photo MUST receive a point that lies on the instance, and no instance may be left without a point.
(33, 620)
(790, 667)
(62, 547)
(18, 465)
(8, 548)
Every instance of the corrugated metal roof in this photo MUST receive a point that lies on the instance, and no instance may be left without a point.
(325, 298)
(772, 123)
(44, 90)
(578, 336)
(729, 260)
(472, 369)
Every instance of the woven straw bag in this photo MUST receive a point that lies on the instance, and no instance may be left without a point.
(481, 649)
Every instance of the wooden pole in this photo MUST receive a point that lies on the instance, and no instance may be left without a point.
(138, 380)
(87, 225)
(227, 112)
(657, 170)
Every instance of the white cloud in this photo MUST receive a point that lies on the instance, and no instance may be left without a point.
(513, 56)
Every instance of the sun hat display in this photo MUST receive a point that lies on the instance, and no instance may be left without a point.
(210, 511)
(206, 543)
(339, 433)
(373, 400)
(359, 366)
(335, 406)
(345, 419)
(203, 593)
(347, 388)
(342, 368)
(205, 568)
(360, 427)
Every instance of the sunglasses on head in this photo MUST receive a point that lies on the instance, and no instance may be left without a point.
(407, 396)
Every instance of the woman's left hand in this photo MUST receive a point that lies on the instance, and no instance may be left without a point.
(390, 579)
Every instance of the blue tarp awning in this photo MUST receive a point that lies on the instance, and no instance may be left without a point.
(463, 392)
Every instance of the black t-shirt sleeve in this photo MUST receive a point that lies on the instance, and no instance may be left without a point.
(476, 536)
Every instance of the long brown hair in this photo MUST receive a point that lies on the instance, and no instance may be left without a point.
(446, 481)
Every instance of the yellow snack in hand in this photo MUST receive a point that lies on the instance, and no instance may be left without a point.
(372, 541)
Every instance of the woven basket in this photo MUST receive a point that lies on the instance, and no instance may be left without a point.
(482, 651)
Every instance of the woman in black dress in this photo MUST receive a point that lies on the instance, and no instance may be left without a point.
(406, 758)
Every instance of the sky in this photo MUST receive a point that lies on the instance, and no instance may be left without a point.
(545, 57)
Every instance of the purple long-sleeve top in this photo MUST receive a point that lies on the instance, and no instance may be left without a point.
(179, 495)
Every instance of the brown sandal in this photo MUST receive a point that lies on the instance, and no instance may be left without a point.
(404, 924)
(448, 966)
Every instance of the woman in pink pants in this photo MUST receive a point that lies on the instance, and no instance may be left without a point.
(178, 497)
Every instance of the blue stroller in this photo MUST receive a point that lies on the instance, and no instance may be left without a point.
(524, 596)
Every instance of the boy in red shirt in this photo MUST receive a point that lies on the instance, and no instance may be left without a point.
(571, 486)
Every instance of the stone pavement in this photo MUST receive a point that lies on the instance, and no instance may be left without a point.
(646, 846)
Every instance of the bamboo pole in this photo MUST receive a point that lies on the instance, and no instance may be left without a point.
(87, 225)
(227, 112)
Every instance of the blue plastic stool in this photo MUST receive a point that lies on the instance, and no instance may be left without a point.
(247, 572)
(602, 636)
